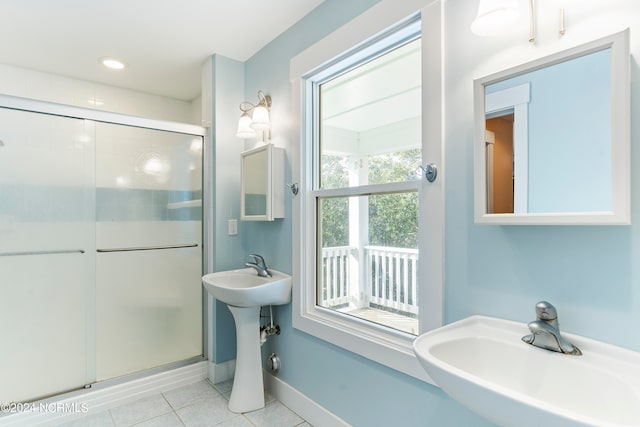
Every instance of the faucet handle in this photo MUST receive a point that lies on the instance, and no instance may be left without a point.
(546, 311)
(258, 260)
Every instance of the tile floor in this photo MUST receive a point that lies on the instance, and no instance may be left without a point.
(200, 404)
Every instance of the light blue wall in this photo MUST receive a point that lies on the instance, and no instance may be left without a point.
(268, 70)
(569, 147)
(590, 273)
(226, 82)
(359, 391)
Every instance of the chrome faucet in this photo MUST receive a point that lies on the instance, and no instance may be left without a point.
(545, 331)
(259, 265)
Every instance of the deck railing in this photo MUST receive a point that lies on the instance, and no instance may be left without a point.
(335, 268)
(390, 277)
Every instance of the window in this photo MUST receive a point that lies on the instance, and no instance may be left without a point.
(358, 221)
(369, 122)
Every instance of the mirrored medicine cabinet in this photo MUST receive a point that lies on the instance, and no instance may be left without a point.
(552, 138)
(262, 172)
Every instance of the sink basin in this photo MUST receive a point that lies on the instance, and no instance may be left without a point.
(245, 292)
(244, 288)
(482, 363)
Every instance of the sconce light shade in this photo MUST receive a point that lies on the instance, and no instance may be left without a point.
(244, 127)
(495, 17)
(255, 118)
(260, 119)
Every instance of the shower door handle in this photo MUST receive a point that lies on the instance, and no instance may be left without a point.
(53, 252)
(147, 248)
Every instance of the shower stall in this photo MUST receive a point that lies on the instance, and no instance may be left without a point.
(100, 247)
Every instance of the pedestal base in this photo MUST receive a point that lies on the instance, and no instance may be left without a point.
(247, 393)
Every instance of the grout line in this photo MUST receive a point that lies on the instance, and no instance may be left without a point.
(248, 420)
(183, 423)
(153, 418)
(113, 420)
(180, 418)
(174, 410)
(167, 400)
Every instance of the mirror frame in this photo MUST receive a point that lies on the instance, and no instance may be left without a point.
(620, 139)
(274, 179)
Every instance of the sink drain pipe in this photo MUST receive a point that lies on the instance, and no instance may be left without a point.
(270, 329)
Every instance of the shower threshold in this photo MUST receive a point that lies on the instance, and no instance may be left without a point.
(103, 395)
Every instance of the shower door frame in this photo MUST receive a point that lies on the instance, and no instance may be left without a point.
(74, 112)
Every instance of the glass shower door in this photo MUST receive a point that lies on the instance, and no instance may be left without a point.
(46, 254)
(148, 237)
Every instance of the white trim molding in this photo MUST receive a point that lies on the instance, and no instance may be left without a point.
(221, 372)
(307, 408)
(359, 38)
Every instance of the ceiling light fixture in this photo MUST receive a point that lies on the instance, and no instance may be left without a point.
(255, 118)
(114, 64)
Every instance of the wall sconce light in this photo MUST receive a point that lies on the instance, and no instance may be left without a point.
(255, 118)
(532, 22)
(497, 17)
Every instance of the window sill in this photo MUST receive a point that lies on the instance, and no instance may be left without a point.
(386, 346)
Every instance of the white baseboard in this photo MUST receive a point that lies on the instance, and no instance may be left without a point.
(300, 404)
(80, 403)
(221, 372)
(77, 404)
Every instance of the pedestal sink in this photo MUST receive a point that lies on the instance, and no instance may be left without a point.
(245, 292)
(482, 363)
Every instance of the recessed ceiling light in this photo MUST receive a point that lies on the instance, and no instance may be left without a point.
(114, 64)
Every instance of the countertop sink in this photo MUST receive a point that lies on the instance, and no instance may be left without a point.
(244, 288)
(482, 363)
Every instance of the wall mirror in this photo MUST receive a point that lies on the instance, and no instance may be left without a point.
(552, 138)
(262, 171)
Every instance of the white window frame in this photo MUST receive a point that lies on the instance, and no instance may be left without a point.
(360, 39)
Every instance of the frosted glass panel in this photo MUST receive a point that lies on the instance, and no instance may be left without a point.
(148, 195)
(46, 254)
(147, 175)
(72, 315)
(149, 309)
(44, 331)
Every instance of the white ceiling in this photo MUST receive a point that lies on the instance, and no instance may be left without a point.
(164, 42)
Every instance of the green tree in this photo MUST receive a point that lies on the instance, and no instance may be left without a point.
(335, 211)
(393, 218)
